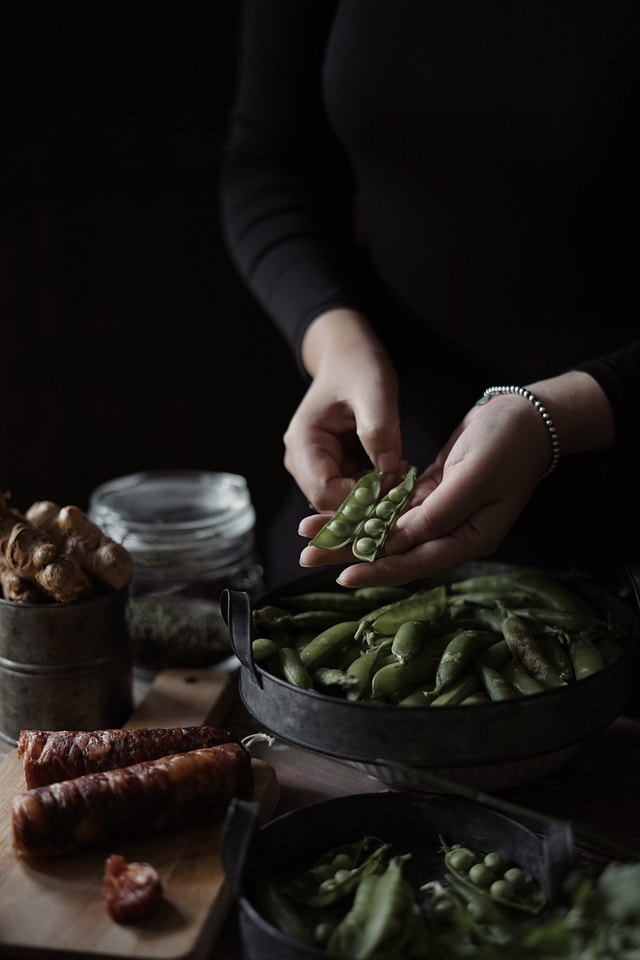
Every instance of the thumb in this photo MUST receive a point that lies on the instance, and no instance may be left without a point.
(378, 429)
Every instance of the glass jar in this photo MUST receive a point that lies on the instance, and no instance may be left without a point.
(191, 534)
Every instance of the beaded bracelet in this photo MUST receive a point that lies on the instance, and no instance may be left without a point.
(542, 410)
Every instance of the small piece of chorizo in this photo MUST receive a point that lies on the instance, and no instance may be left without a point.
(130, 889)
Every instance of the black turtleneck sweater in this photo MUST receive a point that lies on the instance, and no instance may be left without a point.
(463, 172)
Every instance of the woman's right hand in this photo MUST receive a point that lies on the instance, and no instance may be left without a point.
(348, 420)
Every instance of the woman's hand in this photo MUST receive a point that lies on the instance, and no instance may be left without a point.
(465, 503)
(348, 420)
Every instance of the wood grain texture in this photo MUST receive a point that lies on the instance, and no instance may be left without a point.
(54, 909)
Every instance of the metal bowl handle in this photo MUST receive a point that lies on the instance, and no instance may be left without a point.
(235, 606)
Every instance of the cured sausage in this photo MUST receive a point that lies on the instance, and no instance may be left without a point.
(130, 889)
(49, 756)
(141, 799)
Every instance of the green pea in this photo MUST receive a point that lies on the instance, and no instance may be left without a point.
(364, 495)
(374, 527)
(364, 546)
(339, 528)
(495, 861)
(501, 890)
(481, 876)
(461, 859)
(354, 512)
(323, 933)
(385, 510)
(515, 877)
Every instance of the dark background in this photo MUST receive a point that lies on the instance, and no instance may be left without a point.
(114, 278)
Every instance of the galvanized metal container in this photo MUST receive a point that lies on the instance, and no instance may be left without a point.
(65, 666)
(413, 823)
(490, 746)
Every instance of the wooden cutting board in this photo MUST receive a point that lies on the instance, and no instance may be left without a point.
(51, 910)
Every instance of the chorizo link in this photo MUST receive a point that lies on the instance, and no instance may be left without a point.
(142, 799)
(49, 756)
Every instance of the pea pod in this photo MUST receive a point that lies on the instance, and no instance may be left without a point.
(391, 906)
(385, 593)
(311, 619)
(515, 674)
(333, 677)
(346, 603)
(342, 527)
(304, 887)
(400, 677)
(553, 594)
(457, 691)
(524, 648)
(496, 686)
(556, 652)
(420, 696)
(364, 667)
(479, 697)
(373, 534)
(585, 656)
(293, 669)
(507, 885)
(346, 880)
(344, 938)
(277, 908)
(263, 648)
(328, 644)
(496, 654)
(423, 605)
(610, 650)
(409, 639)
(458, 653)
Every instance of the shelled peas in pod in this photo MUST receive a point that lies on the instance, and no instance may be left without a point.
(365, 517)
(484, 638)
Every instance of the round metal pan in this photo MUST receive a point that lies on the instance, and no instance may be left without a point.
(413, 823)
(494, 745)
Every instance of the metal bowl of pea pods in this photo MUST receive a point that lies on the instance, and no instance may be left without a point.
(407, 865)
(426, 681)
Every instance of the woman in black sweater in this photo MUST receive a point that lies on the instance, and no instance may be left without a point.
(430, 199)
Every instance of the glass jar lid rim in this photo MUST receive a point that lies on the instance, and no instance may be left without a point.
(173, 499)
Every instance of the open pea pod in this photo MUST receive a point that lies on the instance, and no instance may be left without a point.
(373, 532)
(473, 873)
(309, 889)
(358, 505)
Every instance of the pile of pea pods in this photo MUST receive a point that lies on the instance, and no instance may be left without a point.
(357, 901)
(489, 637)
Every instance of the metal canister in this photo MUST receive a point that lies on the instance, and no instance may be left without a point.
(65, 666)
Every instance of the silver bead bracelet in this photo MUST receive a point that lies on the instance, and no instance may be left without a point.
(542, 410)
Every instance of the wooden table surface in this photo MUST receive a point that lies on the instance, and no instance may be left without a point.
(598, 790)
